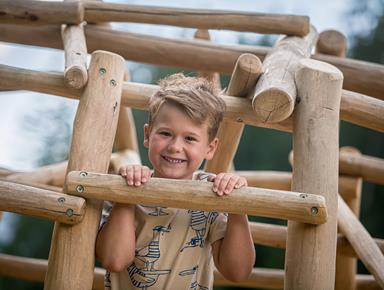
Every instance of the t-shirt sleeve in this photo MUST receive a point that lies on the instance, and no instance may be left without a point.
(217, 228)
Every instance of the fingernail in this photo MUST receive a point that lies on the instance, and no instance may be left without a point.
(144, 180)
(137, 183)
(130, 182)
(214, 189)
(226, 191)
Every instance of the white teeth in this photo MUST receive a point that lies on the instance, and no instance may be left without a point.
(173, 160)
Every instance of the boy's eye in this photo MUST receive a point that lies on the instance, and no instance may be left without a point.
(190, 138)
(165, 133)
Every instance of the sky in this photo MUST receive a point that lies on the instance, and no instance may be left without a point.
(20, 145)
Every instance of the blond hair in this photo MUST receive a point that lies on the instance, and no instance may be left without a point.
(195, 96)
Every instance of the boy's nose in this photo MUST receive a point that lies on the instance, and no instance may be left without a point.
(175, 145)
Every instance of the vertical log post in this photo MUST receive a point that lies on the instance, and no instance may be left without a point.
(213, 77)
(72, 257)
(247, 70)
(126, 137)
(346, 267)
(311, 250)
(275, 94)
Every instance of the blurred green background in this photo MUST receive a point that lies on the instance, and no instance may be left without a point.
(260, 149)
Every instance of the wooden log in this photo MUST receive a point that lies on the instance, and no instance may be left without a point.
(126, 138)
(362, 110)
(28, 200)
(346, 267)
(198, 18)
(213, 77)
(269, 234)
(75, 49)
(71, 258)
(199, 195)
(282, 180)
(369, 168)
(311, 250)
(247, 70)
(360, 76)
(34, 270)
(355, 108)
(274, 279)
(332, 42)
(52, 174)
(345, 248)
(40, 12)
(367, 250)
(276, 236)
(275, 93)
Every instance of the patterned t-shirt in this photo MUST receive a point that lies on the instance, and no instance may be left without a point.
(173, 249)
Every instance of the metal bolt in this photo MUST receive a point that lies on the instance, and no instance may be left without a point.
(113, 83)
(314, 210)
(102, 71)
(239, 120)
(83, 173)
(69, 212)
(80, 188)
(61, 199)
(303, 195)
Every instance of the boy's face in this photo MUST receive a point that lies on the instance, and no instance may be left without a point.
(176, 144)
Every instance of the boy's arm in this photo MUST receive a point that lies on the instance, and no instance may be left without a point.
(234, 255)
(116, 241)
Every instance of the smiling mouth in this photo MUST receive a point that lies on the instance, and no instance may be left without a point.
(173, 160)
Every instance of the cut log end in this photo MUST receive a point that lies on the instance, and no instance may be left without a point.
(332, 42)
(248, 62)
(273, 105)
(322, 67)
(76, 76)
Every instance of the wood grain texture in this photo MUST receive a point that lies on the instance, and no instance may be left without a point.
(199, 195)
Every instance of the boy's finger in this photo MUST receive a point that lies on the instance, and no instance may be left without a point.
(216, 182)
(129, 175)
(145, 174)
(231, 184)
(223, 184)
(137, 175)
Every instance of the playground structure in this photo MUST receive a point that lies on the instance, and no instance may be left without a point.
(289, 89)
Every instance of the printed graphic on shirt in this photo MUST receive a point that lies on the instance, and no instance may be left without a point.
(144, 279)
(194, 284)
(199, 222)
(107, 281)
(151, 253)
(157, 210)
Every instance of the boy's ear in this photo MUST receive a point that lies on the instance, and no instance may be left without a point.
(212, 148)
(146, 135)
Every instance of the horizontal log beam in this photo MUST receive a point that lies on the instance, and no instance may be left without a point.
(43, 13)
(40, 12)
(32, 269)
(276, 235)
(359, 76)
(188, 194)
(24, 199)
(355, 108)
(197, 18)
(369, 168)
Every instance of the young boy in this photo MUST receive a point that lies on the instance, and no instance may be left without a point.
(166, 248)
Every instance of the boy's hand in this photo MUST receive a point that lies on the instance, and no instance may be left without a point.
(224, 183)
(135, 174)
